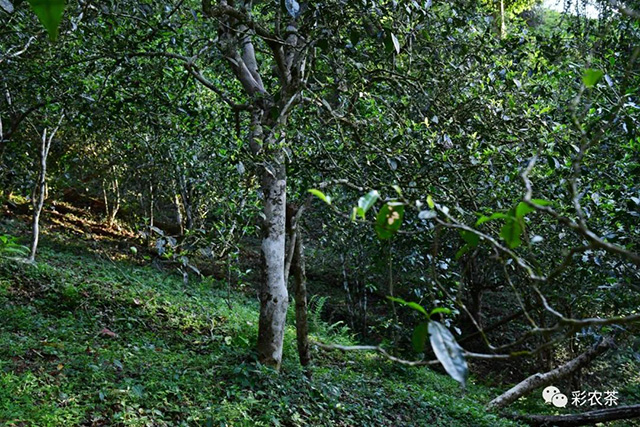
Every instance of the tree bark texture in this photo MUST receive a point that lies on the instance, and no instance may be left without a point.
(274, 298)
(237, 30)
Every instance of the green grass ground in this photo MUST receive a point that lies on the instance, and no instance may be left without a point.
(85, 340)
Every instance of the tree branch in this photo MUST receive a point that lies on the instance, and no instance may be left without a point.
(586, 418)
(539, 380)
(195, 72)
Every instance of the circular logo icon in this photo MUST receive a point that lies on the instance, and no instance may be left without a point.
(559, 400)
(549, 392)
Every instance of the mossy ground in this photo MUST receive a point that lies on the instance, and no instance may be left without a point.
(88, 338)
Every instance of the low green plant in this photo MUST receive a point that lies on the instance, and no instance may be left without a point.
(140, 349)
(316, 304)
(9, 246)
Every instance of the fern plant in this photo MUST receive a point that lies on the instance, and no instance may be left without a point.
(316, 304)
(9, 246)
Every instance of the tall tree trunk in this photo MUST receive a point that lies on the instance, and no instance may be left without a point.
(38, 196)
(364, 309)
(236, 32)
(115, 206)
(40, 188)
(111, 209)
(503, 26)
(179, 220)
(151, 209)
(347, 290)
(296, 264)
(274, 297)
(105, 196)
(300, 292)
(185, 193)
(499, 20)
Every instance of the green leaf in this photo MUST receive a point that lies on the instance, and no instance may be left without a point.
(366, 202)
(497, 215)
(448, 352)
(389, 220)
(591, 77)
(437, 310)
(463, 250)
(541, 202)
(409, 304)
(430, 202)
(354, 37)
(319, 194)
(511, 232)
(419, 338)
(471, 238)
(49, 12)
(522, 209)
(17, 249)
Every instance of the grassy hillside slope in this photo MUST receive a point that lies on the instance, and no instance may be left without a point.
(88, 340)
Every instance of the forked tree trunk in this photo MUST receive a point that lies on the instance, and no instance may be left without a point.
(38, 195)
(236, 31)
(274, 298)
(40, 189)
(111, 209)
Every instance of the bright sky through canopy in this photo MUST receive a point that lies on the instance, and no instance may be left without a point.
(575, 7)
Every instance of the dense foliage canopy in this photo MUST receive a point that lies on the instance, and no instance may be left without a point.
(460, 179)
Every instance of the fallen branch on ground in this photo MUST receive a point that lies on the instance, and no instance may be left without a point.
(586, 418)
(539, 380)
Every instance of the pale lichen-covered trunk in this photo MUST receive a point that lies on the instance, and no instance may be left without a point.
(237, 31)
(40, 189)
(38, 203)
(503, 26)
(274, 298)
(111, 210)
(176, 205)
